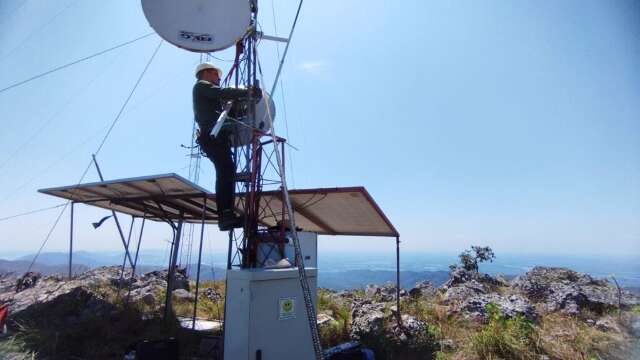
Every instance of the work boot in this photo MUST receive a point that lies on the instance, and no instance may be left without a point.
(229, 220)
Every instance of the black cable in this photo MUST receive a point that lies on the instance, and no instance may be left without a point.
(30, 212)
(46, 239)
(33, 32)
(73, 63)
(51, 118)
(128, 98)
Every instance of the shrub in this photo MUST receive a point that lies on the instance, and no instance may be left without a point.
(470, 259)
(504, 338)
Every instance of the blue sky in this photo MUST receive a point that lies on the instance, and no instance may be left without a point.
(501, 123)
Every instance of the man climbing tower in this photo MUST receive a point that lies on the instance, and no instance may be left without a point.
(208, 102)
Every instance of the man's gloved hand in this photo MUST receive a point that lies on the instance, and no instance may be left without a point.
(255, 92)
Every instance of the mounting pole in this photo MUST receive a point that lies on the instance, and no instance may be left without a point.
(286, 49)
(71, 242)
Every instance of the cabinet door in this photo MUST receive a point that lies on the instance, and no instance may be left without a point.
(279, 327)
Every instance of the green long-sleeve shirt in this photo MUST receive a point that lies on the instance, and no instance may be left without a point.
(208, 101)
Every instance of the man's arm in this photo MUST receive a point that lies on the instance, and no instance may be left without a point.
(226, 94)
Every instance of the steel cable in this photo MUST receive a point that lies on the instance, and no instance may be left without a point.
(73, 63)
(30, 212)
(86, 170)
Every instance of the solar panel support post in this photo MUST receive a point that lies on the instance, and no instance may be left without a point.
(230, 250)
(71, 242)
(124, 261)
(135, 260)
(195, 304)
(115, 216)
(171, 274)
(398, 281)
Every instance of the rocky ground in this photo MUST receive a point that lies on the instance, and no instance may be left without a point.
(547, 313)
(93, 316)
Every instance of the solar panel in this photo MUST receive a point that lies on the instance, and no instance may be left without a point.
(170, 197)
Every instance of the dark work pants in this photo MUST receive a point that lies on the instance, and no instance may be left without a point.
(218, 150)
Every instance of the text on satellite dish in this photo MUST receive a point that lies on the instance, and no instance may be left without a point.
(188, 35)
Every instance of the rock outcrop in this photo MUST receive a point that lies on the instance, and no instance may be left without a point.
(383, 293)
(48, 288)
(570, 292)
(423, 289)
(380, 330)
(367, 320)
(464, 285)
(510, 306)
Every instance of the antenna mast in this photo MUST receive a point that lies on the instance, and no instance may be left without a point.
(214, 26)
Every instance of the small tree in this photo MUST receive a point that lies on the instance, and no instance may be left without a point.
(471, 258)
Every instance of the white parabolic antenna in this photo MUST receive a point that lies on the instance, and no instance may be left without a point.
(199, 25)
(261, 121)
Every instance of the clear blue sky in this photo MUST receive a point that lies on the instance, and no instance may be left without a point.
(514, 124)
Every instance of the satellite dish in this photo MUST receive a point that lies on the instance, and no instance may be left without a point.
(244, 130)
(199, 25)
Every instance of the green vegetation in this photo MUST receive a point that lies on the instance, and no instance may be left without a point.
(13, 349)
(336, 332)
(504, 338)
(207, 308)
(558, 336)
(470, 259)
(449, 335)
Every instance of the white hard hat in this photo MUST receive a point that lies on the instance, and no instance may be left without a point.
(208, 65)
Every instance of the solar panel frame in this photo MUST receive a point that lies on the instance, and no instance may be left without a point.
(170, 197)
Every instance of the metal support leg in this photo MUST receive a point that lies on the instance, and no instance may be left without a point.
(124, 261)
(195, 305)
(171, 276)
(230, 250)
(398, 279)
(115, 217)
(71, 243)
(135, 261)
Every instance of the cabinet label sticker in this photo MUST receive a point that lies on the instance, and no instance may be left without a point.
(287, 308)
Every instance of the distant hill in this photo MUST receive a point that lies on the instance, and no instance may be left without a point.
(57, 263)
(337, 278)
(354, 279)
(91, 260)
(21, 266)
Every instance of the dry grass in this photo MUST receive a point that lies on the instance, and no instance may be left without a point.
(14, 349)
(207, 308)
(570, 338)
(556, 335)
(443, 324)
